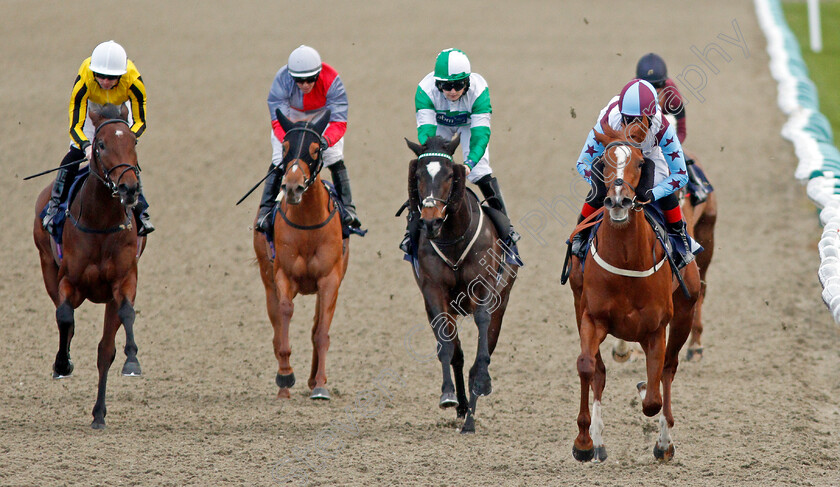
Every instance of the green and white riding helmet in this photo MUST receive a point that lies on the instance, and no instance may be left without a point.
(452, 65)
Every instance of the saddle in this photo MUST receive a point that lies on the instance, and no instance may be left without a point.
(61, 216)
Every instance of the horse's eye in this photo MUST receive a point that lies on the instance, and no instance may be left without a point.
(100, 145)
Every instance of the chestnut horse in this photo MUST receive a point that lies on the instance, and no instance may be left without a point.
(461, 269)
(627, 290)
(700, 221)
(100, 251)
(311, 255)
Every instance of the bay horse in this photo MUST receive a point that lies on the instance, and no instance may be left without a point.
(627, 290)
(461, 269)
(100, 250)
(311, 255)
(700, 219)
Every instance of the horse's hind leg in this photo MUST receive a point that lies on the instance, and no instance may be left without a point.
(106, 353)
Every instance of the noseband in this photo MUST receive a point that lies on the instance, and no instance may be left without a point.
(429, 201)
(313, 172)
(106, 174)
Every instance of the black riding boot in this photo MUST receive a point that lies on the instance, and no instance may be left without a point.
(412, 233)
(579, 240)
(678, 229)
(341, 181)
(61, 186)
(141, 213)
(269, 197)
(489, 187)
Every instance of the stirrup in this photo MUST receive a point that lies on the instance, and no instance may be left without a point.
(262, 221)
(514, 236)
(49, 217)
(405, 245)
(577, 246)
(144, 227)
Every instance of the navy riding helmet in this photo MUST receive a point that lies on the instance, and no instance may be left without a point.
(652, 69)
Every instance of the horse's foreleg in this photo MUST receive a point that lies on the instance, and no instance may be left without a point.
(106, 353)
(591, 336)
(125, 296)
(654, 348)
(479, 379)
(325, 310)
(280, 309)
(460, 390)
(596, 428)
(63, 366)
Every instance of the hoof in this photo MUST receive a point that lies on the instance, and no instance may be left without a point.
(131, 369)
(448, 400)
(694, 354)
(583, 455)
(98, 425)
(320, 393)
(600, 454)
(285, 381)
(641, 387)
(64, 373)
(621, 358)
(664, 455)
(469, 426)
(283, 393)
(483, 386)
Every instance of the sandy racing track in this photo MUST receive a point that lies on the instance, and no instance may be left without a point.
(760, 409)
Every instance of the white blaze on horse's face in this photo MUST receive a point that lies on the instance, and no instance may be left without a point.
(433, 168)
(622, 154)
(118, 133)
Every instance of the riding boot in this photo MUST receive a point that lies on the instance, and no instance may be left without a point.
(269, 197)
(678, 229)
(579, 240)
(61, 187)
(412, 233)
(489, 187)
(141, 214)
(699, 193)
(341, 181)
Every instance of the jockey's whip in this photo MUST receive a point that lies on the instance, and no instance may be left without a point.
(256, 186)
(56, 168)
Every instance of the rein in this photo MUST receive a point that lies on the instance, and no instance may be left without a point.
(108, 182)
(454, 266)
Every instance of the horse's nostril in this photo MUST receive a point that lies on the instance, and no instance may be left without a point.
(608, 203)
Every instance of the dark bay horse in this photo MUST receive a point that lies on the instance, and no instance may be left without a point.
(311, 255)
(461, 270)
(700, 221)
(100, 251)
(627, 290)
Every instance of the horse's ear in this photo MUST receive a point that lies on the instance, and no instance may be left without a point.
(459, 183)
(284, 122)
(637, 133)
(320, 123)
(95, 118)
(415, 147)
(453, 144)
(124, 112)
(608, 134)
(413, 194)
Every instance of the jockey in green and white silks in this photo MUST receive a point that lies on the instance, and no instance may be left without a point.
(449, 100)
(469, 115)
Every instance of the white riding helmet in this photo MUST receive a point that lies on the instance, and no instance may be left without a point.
(109, 59)
(304, 62)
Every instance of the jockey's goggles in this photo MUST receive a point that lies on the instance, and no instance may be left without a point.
(456, 85)
(108, 77)
(308, 79)
(628, 120)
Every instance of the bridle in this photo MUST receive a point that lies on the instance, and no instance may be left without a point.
(618, 182)
(313, 172)
(105, 178)
(429, 201)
